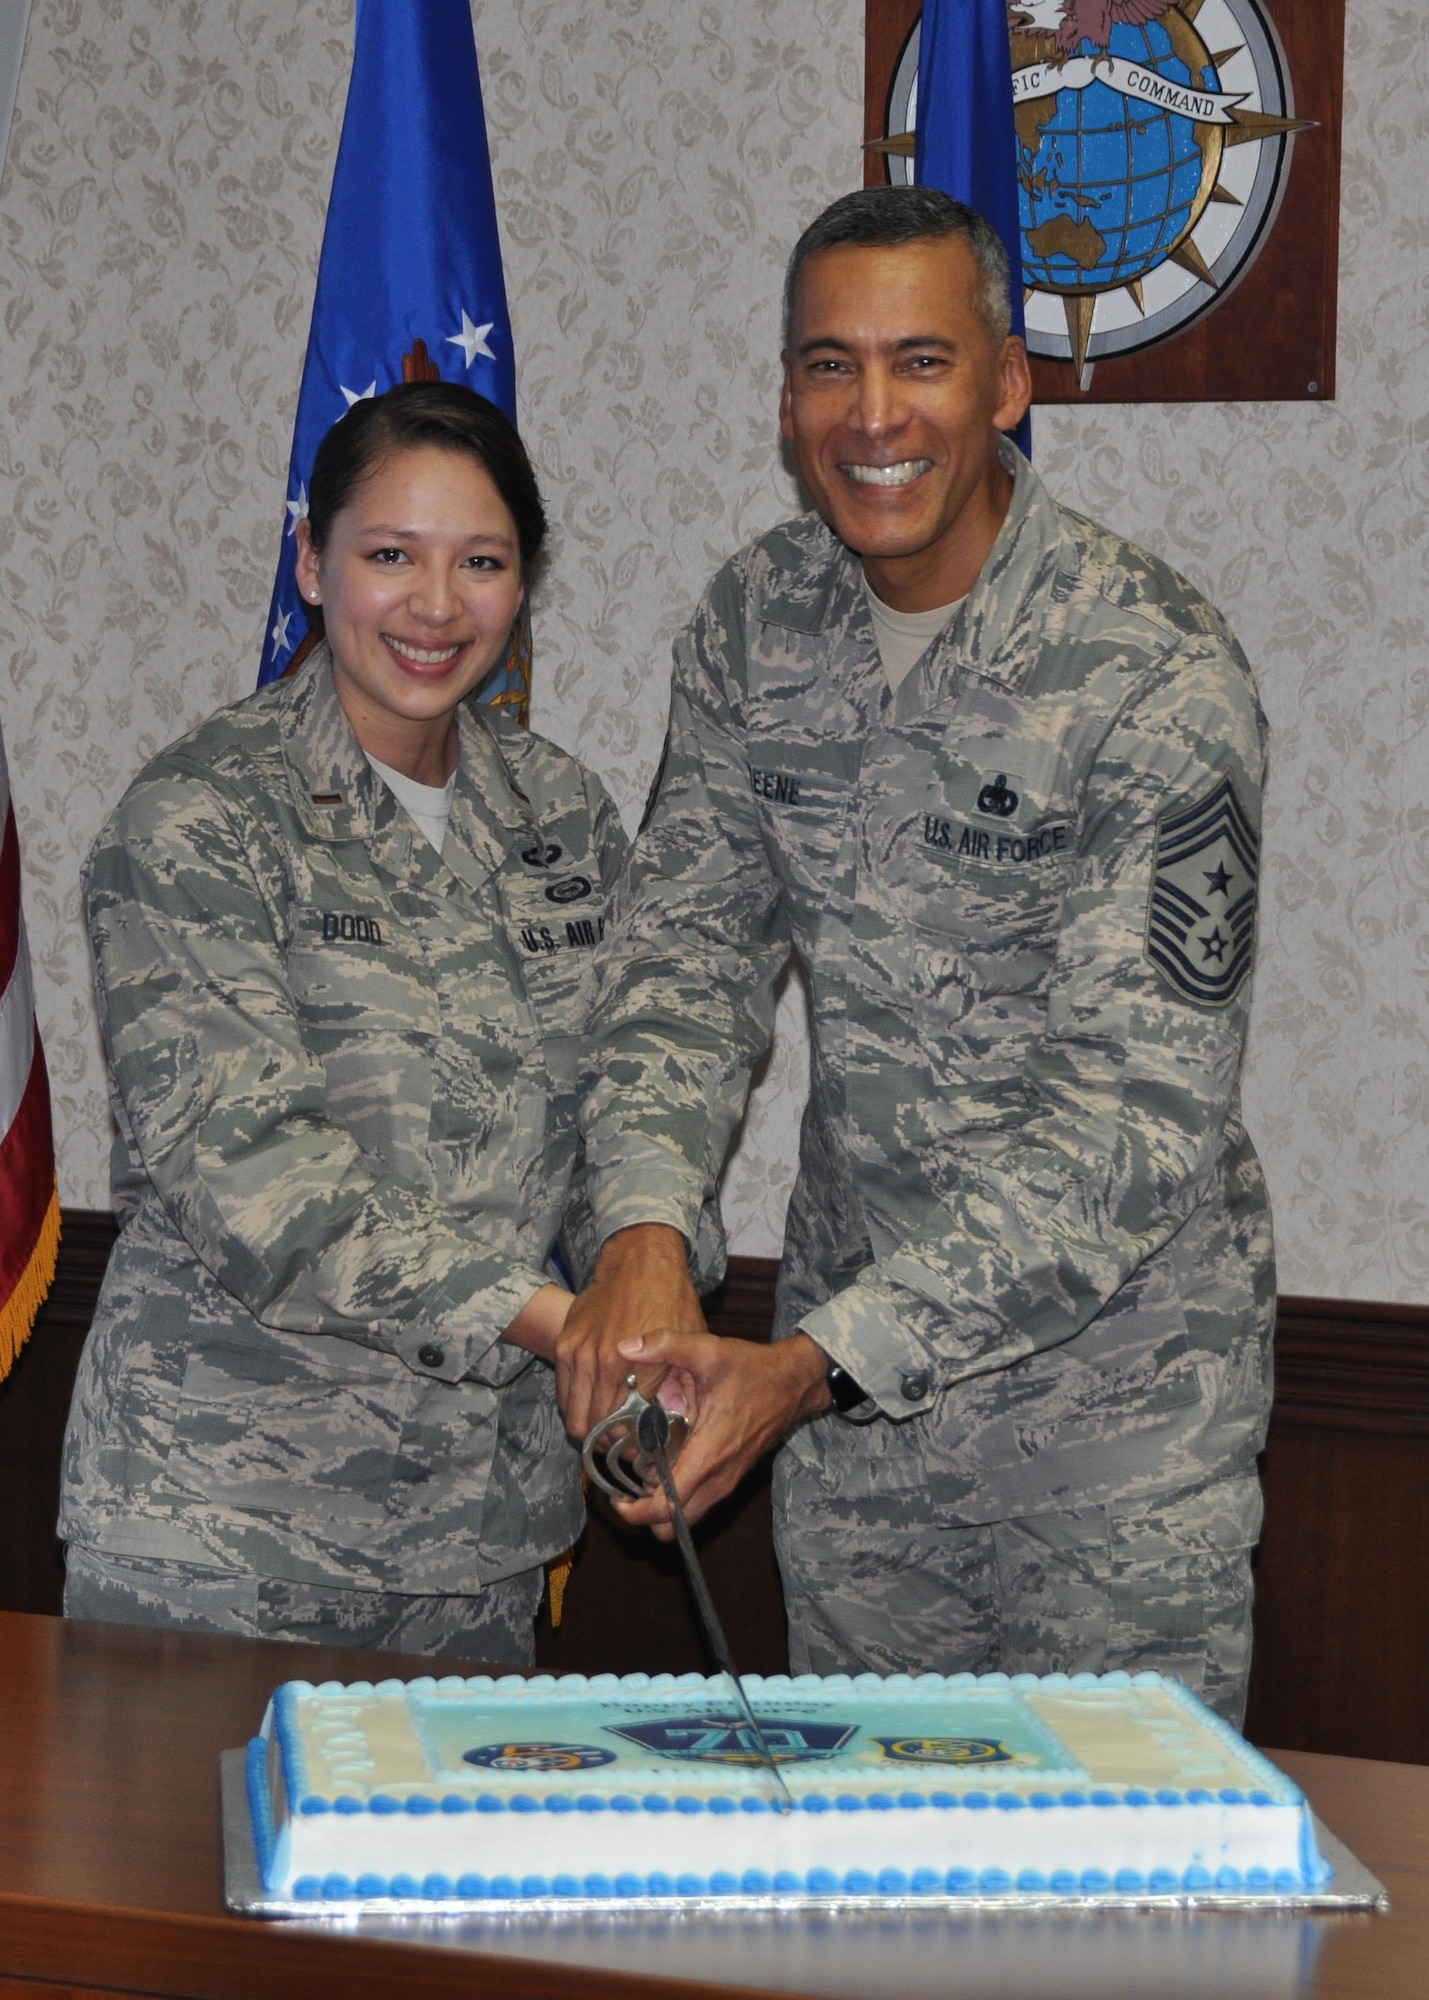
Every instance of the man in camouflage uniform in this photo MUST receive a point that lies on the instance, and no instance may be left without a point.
(1024, 1315)
(344, 1073)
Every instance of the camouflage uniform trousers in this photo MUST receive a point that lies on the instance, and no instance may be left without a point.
(1159, 1583)
(493, 1627)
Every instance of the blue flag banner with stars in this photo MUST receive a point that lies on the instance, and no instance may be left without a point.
(410, 286)
(966, 137)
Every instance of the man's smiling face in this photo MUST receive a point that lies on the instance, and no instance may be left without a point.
(894, 394)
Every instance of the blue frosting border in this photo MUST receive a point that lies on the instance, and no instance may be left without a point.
(819, 1882)
(284, 1725)
(383, 1804)
(260, 1806)
(1287, 1792)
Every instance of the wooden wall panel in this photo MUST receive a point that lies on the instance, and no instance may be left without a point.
(34, 1402)
(1342, 1577)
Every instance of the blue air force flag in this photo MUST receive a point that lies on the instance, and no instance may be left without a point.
(409, 286)
(966, 137)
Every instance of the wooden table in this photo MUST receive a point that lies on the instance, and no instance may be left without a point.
(111, 1876)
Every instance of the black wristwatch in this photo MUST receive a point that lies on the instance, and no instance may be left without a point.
(843, 1390)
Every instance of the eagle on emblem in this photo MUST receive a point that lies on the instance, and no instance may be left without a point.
(1073, 22)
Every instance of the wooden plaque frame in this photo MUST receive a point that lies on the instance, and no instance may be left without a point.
(1273, 335)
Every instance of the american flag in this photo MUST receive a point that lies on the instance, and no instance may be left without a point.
(29, 1201)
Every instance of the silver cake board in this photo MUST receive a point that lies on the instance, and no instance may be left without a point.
(1351, 1887)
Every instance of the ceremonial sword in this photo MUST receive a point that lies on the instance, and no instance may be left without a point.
(627, 1454)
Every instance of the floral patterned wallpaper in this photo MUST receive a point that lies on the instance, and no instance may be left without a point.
(160, 216)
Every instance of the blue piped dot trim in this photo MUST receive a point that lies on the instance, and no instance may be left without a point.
(890, 1882)
(417, 1803)
(260, 1806)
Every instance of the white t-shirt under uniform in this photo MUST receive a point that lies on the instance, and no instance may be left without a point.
(429, 805)
(904, 636)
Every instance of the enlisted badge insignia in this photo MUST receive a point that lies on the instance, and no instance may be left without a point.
(1200, 928)
(539, 1756)
(998, 798)
(945, 1750)
(728, 1739)
(542, 853)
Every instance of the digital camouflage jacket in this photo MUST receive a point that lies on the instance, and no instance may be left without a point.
(1022, 892)
(343, 1070)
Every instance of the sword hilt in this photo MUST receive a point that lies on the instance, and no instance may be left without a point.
(619, 1451)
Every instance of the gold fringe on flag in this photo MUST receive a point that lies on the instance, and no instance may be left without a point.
(17, 1314)
(558, 1575)
(558, 1570)
(518, 666)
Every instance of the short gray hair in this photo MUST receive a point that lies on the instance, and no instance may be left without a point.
(878, 218)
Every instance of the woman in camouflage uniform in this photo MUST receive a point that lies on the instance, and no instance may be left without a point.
(340, 935)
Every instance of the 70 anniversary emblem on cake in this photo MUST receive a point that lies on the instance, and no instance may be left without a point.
(1153, 146)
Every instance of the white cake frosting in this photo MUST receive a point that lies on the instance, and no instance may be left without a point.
(487, 1790)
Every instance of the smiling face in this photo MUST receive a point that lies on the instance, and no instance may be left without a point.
(894, 395)
(420, 583)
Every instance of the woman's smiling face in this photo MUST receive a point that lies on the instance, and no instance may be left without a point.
(420, 584)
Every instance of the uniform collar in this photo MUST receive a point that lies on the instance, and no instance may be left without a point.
(1014, 585)
(491, 812)
(336, 792)
(824, 589)
(338, 796)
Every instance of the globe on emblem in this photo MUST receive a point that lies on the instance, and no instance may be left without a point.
(1108, 185)
(1149, 168)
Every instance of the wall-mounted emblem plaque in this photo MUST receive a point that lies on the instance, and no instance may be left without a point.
(1178, 186)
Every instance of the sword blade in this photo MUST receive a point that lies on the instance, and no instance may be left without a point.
(709, 1618)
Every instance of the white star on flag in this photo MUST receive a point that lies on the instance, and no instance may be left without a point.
(279, 634)
(298, 509)
(472, 339)
(359, 395)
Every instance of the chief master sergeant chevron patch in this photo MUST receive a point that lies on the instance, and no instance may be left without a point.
(1200, 927)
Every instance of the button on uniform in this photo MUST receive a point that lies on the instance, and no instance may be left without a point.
(430, 1356)
(914, 1388)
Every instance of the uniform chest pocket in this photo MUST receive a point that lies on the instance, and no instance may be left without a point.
(555, 928)
(803, 816)
(367, 1012)
(993, 913)
(970, 839)
(355, 972)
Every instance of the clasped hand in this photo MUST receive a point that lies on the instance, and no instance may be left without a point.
(640, 1316)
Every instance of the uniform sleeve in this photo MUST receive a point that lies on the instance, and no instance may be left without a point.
(1130, 1082)
(684, 1002)
(577, 1238)
(608, 836)
(230, 1114)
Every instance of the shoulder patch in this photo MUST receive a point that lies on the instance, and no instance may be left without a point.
(1200, 926)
